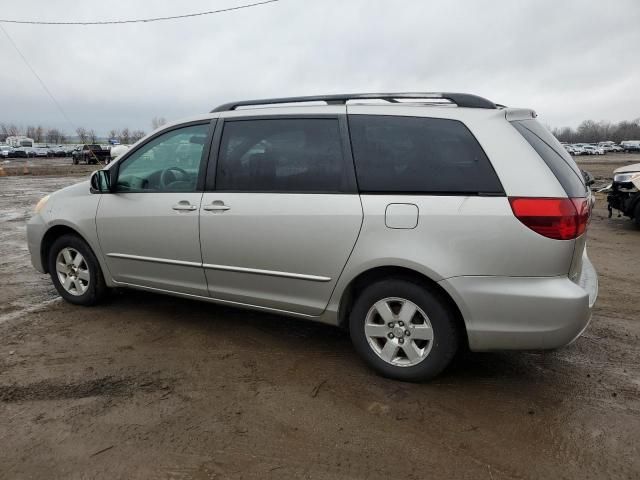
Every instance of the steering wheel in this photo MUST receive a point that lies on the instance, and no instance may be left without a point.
(165, 172)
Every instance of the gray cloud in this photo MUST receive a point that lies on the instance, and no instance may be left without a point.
(569, 60)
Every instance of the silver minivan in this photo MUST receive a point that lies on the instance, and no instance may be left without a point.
(424, 223)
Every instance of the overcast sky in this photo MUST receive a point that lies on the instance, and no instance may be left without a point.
(569, 60)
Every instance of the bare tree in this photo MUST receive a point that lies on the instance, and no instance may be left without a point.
(82, 134)
(125, 136)
(13, 130)
(114, 133)
(590, 131)
(31, 132)
(38, 135)
(53, 135)
(137, 135)
(93, 138)
(157, 122)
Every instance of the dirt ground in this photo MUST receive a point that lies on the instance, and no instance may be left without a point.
(148, 386)
(59, 166)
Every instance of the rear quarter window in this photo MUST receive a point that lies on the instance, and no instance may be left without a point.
(554, 155)
(419, 155)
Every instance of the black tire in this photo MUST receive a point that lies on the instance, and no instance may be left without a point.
(446, 334)
(636, 215)
(96, 288)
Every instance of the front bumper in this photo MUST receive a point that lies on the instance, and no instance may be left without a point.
(623, 198)
(525, 313)
(35, 233)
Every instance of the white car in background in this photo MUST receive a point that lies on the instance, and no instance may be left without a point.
(593, 150)
(40, 152)
(607, 146)
(578, 150)
(117, 150)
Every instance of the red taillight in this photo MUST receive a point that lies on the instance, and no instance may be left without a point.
(558, 218)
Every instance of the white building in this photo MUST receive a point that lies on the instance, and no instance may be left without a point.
(20, 141)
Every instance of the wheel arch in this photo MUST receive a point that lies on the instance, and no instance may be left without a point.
(367, 277)
(51, 235)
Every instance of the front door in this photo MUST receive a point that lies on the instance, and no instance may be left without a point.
(148, 228)
(284, 216)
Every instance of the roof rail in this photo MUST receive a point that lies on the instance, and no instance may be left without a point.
(460, 99)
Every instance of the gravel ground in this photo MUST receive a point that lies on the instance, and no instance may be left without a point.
(151, 386)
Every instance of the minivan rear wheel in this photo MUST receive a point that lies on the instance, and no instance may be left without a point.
(75, 271)
(404, 330)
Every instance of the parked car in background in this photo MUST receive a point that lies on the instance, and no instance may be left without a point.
(69, 149)
(335, 213)
(118, 150)
(568, 148)
(90, 153)
(23, 152)
(41, 152)
(6, 151)
(578, 150)
(609, 147)
(624, 192)
(631, 145)
(593, 150)
(59, 151)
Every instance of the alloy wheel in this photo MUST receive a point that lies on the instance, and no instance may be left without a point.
(73, 271)
(399, 332)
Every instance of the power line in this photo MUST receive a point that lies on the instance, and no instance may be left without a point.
(139, 20)
(24, 59)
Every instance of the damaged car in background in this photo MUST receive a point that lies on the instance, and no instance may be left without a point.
(624, 193)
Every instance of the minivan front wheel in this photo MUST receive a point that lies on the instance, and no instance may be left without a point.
(75, 271)
(403, 330)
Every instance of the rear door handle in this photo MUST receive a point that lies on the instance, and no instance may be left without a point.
(184, 205)
(217, 205)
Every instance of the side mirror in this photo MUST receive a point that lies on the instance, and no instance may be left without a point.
(100, 181)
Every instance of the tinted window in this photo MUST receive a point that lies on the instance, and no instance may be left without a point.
(420, 155)
(168, 163)
(282, 155)
(556, 157)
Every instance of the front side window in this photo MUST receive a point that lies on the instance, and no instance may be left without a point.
(168, 163)
(419, 155)
(282, 155)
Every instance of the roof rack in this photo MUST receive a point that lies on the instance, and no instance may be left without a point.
(460, 99)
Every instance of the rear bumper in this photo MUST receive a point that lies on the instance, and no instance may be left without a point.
(524, 313)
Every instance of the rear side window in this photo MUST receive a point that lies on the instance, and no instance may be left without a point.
(282, 155)
(419, 155)
(554, 155)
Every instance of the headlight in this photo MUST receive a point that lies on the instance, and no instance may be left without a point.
(624, 177)
(43, 201)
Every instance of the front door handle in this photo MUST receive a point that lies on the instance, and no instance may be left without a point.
(184, 205)
(216, 206)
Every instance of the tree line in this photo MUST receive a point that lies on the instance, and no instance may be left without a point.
(591, 131)
(84, 135)
(38, 133)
